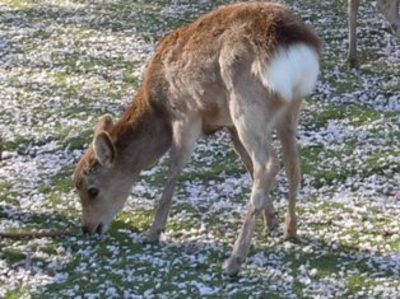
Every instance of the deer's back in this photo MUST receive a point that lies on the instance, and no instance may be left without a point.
(186, 68)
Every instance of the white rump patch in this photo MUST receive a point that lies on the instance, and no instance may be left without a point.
(292, 72)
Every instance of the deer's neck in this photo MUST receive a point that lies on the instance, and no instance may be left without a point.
(142, 135)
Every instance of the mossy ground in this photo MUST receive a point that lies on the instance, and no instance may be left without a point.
(67, 62)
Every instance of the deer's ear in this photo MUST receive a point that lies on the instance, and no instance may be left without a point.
(105, 123)
(104, 149)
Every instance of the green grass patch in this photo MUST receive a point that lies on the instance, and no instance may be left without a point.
(312, 157)
(12, 255)
(7, 194)
(357, 115)
(139, 220)
(377, 162)
(326, 264)
(62, 181)
(18, 293)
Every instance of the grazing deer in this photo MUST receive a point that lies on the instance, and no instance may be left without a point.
(245, 67)
(389, 8)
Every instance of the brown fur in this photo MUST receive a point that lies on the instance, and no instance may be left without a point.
(265, 25)
(203, 77)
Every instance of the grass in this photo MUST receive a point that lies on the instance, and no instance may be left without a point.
(17, 293)
(82, 59)
(13, 256)
(355, 114)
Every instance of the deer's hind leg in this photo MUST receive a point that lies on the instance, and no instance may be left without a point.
(287, 131)
(270, 220)
(253, 120)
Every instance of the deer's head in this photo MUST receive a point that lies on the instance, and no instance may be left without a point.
(101, 180)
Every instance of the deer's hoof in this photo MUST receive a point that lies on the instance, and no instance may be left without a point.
(232, 266)
(294, 239)
(353, 63)
(290, 232)
(151, 237)
(291, 235)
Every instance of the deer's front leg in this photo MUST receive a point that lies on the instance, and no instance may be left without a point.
(185, 134)
(152, 235)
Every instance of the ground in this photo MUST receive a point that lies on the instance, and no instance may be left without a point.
(63, 63)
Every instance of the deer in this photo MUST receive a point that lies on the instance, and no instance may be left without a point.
(389, 9)
(244, 68)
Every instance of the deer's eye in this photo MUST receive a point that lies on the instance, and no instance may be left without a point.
(93, 192)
